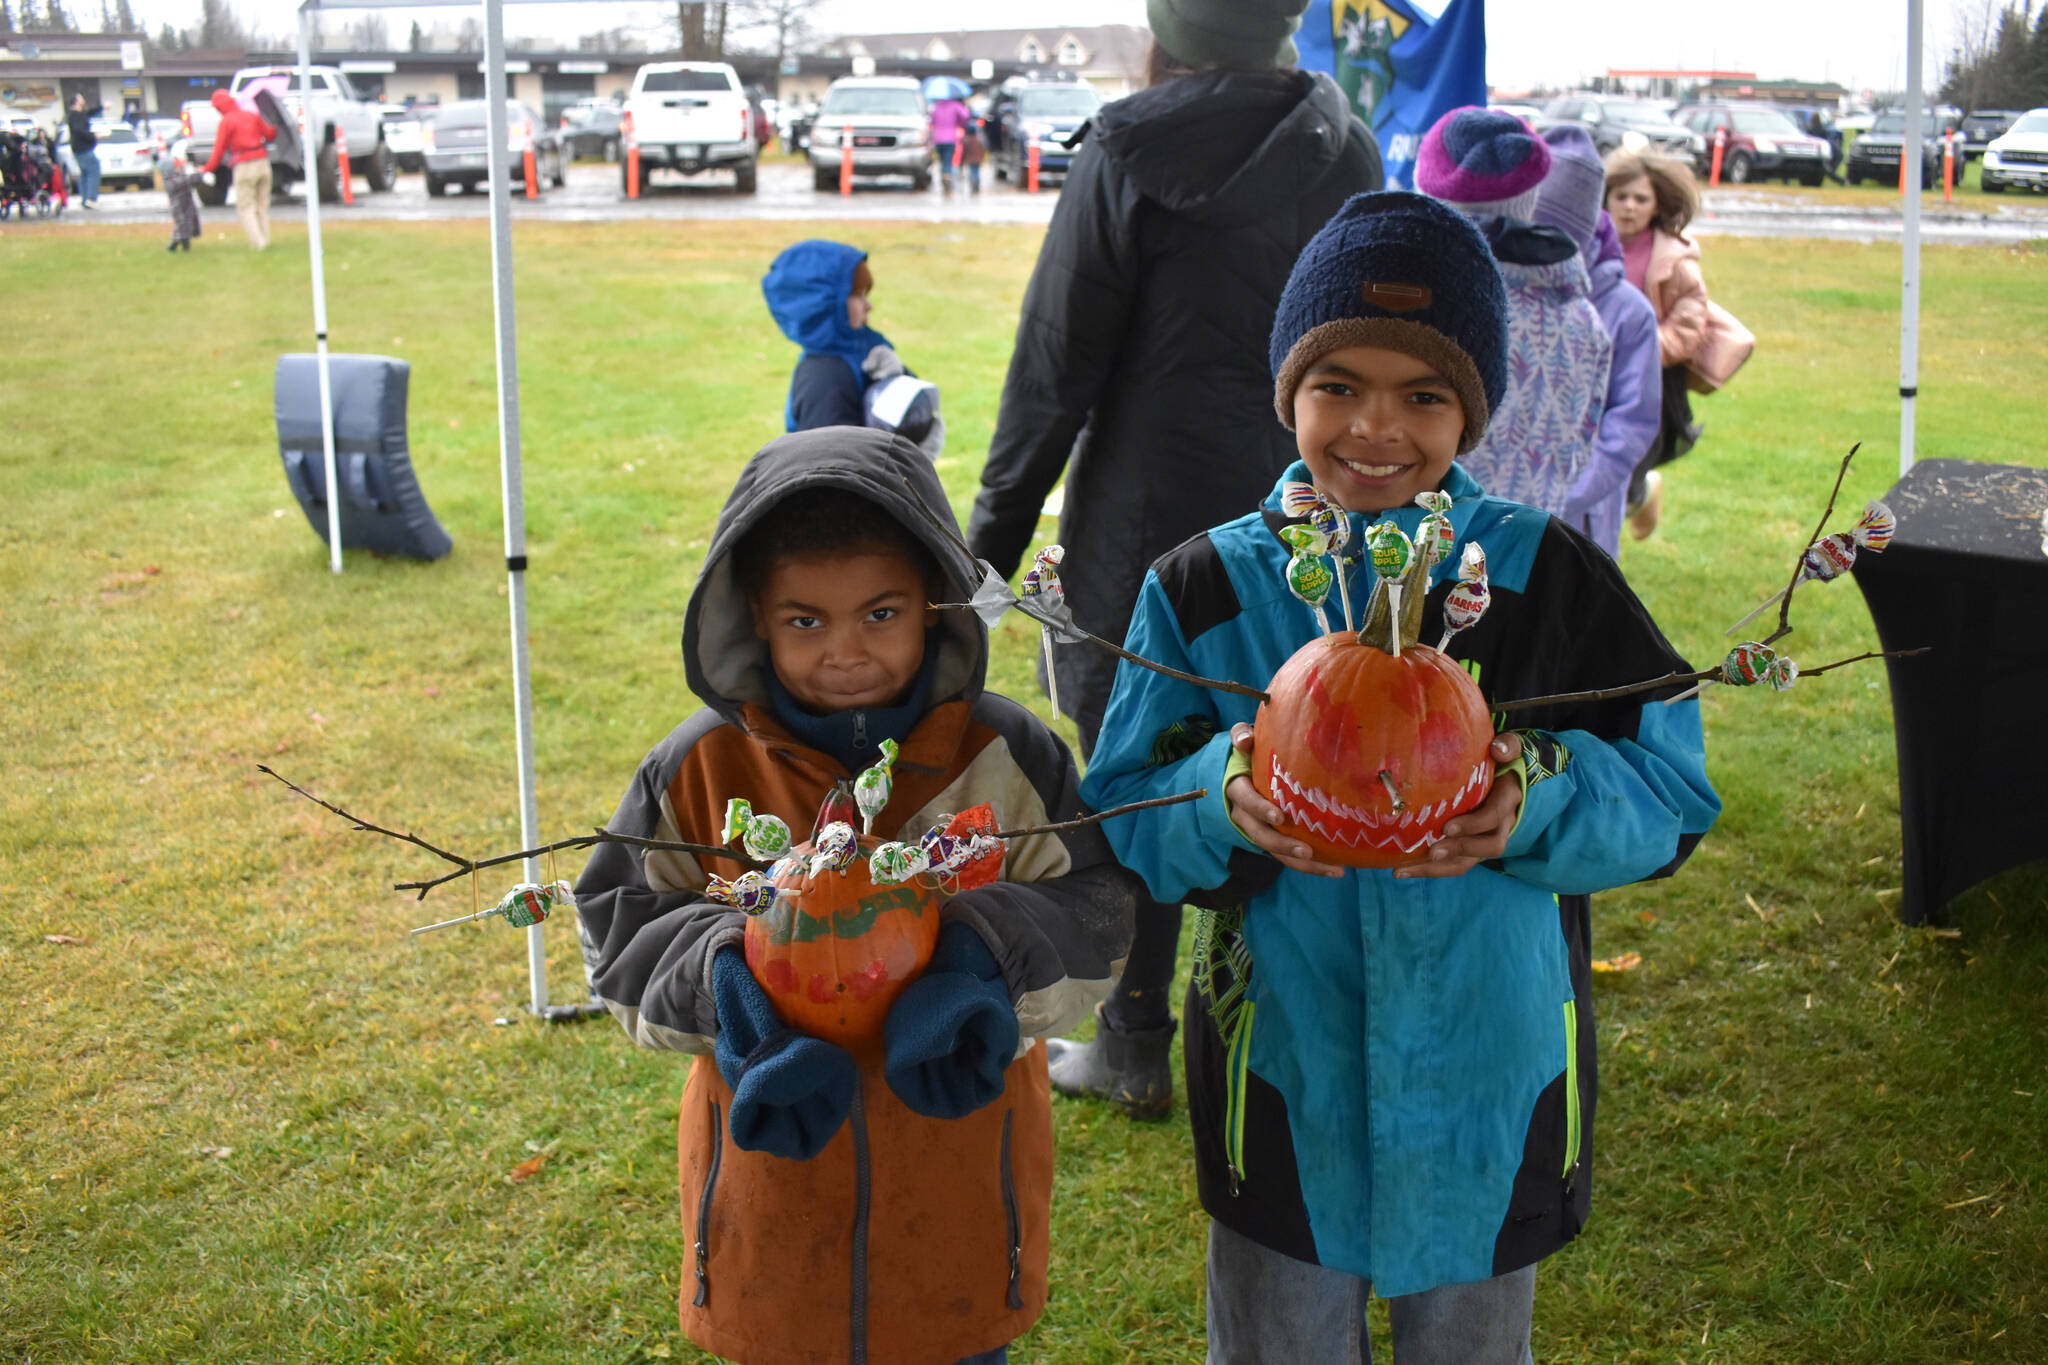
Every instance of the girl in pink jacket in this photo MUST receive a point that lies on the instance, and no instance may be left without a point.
(1651, 199)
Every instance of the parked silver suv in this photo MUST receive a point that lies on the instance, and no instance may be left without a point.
(885, 117)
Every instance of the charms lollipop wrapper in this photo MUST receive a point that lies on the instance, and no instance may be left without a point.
(873, 787)
(764, 837)
(749, 892)
(834, 849)
(1464, 604)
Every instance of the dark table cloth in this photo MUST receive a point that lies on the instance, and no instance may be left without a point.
(1967, 573)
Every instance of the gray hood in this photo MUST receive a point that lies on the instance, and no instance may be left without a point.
(724, 660)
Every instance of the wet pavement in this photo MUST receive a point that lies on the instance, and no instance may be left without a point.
(594, 194)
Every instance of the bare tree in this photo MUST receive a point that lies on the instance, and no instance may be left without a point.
(700, 30)
(778, 26)
(220, 26)
(369, 33)
(469, 37)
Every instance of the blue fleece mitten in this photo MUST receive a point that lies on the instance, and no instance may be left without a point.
(952, 1033)
(790, 1092)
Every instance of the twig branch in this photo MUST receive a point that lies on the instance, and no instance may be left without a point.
(1799, 564)
(1674, 679)
(466, 866)
(1099, 816)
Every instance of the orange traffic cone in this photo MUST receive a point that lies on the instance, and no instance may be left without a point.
(532, 171)
(1720, 146)
(1031, 167)
(632, 157)
(348, 180)
(846, 160)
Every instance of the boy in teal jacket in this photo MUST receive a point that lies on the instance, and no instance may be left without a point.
(1391, 1074)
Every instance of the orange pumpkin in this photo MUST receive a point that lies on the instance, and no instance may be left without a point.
(834, 950)
(1367, 756)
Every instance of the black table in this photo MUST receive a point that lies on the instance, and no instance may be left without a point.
(1967, 573)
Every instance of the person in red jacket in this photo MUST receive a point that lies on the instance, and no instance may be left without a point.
(243, 140)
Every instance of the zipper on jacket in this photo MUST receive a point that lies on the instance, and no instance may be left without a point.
(861, 1192)
(1016, 1298)
(1572, 1136)
(860, 729)
(703, 1248)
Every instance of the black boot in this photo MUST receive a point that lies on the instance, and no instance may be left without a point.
(1131, 1069)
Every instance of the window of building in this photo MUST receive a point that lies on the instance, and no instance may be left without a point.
(1070, 52)
(1030, 52)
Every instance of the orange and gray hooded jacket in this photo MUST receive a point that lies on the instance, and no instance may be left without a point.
(908, 1240)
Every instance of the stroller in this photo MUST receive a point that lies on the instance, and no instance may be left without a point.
(27, 173)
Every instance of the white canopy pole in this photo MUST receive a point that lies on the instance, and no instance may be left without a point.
(310, 166)
(1909, 289)
(497, 154)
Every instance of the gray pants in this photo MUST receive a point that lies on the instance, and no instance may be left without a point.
(1270, 1309)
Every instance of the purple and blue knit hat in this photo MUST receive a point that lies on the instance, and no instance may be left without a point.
(1400, 272)
(1483, 162)
(1571, 194)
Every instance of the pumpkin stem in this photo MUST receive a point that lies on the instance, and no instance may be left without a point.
(1393, 792)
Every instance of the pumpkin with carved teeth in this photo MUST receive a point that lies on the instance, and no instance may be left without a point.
(1366, 755)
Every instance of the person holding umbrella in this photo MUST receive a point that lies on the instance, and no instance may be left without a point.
(950, 119)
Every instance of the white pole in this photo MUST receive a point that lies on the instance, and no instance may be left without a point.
(310, 165)
(497, 154)
(1909, 285)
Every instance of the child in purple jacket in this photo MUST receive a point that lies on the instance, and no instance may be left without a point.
(1569, 198)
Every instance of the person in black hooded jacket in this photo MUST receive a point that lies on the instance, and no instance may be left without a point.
(1141, 362)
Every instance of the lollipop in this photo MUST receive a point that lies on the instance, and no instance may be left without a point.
(1747, 663)
(1391, 552)
(834, 848)
(1304, 540)
(1435, 536)
(525, 904)
(1472, 563)
(1300, 499)
(1309, 580)
(895, 863)
(1781, 674)
(1041, 582)
(765, 837)
(1330, 522)
(872, 788)
(1832, 556)
(749, 892)
(1463, 606)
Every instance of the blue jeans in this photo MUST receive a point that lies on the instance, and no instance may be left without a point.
(88, 176)
(1270, 1309)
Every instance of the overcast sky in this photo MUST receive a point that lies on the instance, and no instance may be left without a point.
(1859, 44)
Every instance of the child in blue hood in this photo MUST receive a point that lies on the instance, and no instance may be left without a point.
(817, 292)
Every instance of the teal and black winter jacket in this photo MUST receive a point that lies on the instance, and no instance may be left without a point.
(1395, 1078)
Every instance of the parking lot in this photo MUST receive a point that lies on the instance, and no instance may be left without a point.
(593, 194)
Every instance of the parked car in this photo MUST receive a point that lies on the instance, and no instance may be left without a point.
(691, 117)
(885, 118)
(404, 136)
(2018, 156)
(1618, 122)
(590, 128)
(1875, 154)
(124, 158)
(1763, 143)
(456, 146)
(1980, 127)
(1527, 113)
(158, 128)
(1044, 113)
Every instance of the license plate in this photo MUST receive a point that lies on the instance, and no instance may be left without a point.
(472, 158)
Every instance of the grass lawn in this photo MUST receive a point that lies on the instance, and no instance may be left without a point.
(247, 1119)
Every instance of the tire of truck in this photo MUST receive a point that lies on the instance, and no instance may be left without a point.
(436, 186)
(382, 170)
(611, 149)
(825, 180)
(327, 174)
(1741, 169)
(561, 175)
(745, 178)
(625, 185)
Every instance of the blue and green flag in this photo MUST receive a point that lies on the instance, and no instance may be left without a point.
(1401, 69)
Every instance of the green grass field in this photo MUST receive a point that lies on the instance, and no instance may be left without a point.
(247, 1119)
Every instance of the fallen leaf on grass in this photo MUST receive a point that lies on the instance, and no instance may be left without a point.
(1648, 916)
(217, 1153)
(61, 938)
(526, 1169)
(1627, 962)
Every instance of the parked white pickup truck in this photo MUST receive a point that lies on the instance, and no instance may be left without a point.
(335, 108)
(690, 117)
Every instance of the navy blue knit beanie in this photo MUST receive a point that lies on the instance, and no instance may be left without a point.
(1402, 272)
